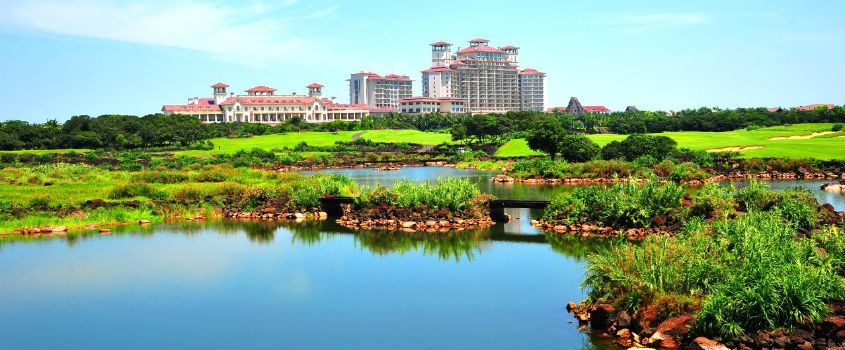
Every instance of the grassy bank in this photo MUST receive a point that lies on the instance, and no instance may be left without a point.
(744, 259)
(827, 146)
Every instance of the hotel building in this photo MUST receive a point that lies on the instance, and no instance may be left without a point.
(487, 78)
(381, 93)
(262, 105)
(423, 105)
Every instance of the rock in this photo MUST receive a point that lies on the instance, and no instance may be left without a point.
(408, 224)
(600, 316)
(658, 220)
(534, 223)
(671, 331)
(91, 226)
(59, 229)
(623, 320)
(299, 215)
(143, 222)
(702, 343)
(268, 210)
(624, 337)
(322, 215)
(831, 324)
(48, 183)
(805, 346)
(105, 230)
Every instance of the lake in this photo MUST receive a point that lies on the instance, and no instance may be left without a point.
(225, 284)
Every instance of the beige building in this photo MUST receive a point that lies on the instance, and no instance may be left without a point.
(425, 105)
(378, 91)
(487, 78)
(262, 105)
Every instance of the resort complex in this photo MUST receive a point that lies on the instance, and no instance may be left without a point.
(262, 105)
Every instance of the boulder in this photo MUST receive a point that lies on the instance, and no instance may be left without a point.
(105, 230)
(59, 229)
(623, 320)
(831, 324)
(702, 343)
(623, 337)
(670, 332)
(143, 222)
(601, 316)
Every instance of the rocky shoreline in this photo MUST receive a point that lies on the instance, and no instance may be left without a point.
(643, 330)
(590, 230)
(737, 175)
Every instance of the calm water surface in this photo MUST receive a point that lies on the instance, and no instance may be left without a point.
(318, 285)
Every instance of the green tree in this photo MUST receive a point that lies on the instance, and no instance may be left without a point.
(546, 137)
(578, 148)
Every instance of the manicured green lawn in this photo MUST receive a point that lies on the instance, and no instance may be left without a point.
(268, 142)
(409, 136)
(829, 146)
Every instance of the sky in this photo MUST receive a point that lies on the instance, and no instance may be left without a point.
(61, 58)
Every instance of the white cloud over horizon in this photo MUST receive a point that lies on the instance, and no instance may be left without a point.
(252, 34)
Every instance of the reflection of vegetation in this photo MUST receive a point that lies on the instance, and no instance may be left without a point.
(575, 246)
(259, 231)
(446, 245)
(309, 233)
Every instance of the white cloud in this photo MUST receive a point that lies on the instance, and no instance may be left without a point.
(642, 23)
(255, 33)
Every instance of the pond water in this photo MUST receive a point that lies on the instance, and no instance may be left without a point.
(224, 284)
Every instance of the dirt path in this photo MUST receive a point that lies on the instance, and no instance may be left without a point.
(733, 149)
(356, 136)
(426, 148)
(802, 137)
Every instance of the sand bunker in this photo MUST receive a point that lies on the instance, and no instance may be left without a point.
(733, 149)
(802, 137)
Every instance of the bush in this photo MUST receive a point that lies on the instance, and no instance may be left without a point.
(838, 127)
(636, 145)
(687, 172)
(749, 274)
(159, 176)
(624, 205)
(446, 193)
(307, 193)
(578, 148)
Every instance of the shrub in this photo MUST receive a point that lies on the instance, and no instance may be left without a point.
(687, 172)
(832, 240)
(797, 206)
(645, 161)
(636, 145)
(446, 193)
(628, 204)
(613, 150)
(159, 176)
(578, 148)
(374, 196)
(713, 200)
(41, 200)
(838, 127)
(307, 193)
(189, 194)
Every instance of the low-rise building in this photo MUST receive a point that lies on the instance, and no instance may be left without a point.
(262, 105)
(424, 105)
(812, 107)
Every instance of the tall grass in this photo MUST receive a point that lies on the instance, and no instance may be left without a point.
(749, 274)
(446, 193)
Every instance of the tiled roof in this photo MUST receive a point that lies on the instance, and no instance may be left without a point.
(480, 48)
(479, 40)
(271, 100)
(441, 43)
(396, 77)
(509, 47)
(220, 85)
(811, 107)
(595, 109)
(531, 71)
(261, 88)
(552, 109)
(314, 85)
(203, 104)
(339, 106)
(437, 69)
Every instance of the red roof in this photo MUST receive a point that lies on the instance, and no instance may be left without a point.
(261, 88)
(388, 77)
(441, 43)
(220, 85)
(203, 104)
(270, 100)
(314, 85)
(812, 107)
(594, 109)
(552, 109)
(531, 71)
(480, 48)
(437, 69)
(430, 99)
(509, 47)
(479, 40)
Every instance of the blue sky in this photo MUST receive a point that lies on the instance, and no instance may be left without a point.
(68, 57)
